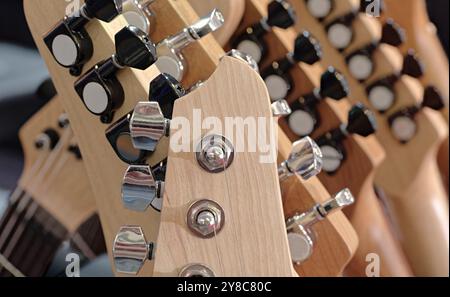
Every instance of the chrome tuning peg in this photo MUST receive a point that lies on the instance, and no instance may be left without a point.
(131, 250)
(69, 42)
(301, 236)
(99, 89)
(170, 60)
(139, 14)
(280, 14)
(305, 160)
(140, 189)
(281, 108)
(164, 91)
(147, 126)
(237, 54)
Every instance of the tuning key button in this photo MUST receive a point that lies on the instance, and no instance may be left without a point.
(280, 14)
(305, 160)
(69, 42)
(170, 60)
(281, 108)
(139, 14)
(340, 31)
(99, 89)
(361, 121)
(165, 90)
(131, 250)
(392, 33)
(147, 126)
(403, 123)
(234, 53)
(301, 235)
(140, 189)
(277, 78)
(320, 9)
(412, 66)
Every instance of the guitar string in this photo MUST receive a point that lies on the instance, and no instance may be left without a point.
(42, 173)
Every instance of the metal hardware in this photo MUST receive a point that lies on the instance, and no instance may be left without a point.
(139, 14)
(140, 189)
(196, 270)
(299, 227)
(304, 160)
(170, 59)
(215, 153)
(248, 59)
(281, 108)
(148, 126)
(131, 250)
(205, 218)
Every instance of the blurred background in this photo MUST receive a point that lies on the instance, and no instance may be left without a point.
(21, 73)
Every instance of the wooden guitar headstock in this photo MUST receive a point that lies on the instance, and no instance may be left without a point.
(405, 165)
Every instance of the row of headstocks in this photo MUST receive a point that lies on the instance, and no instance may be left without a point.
(136, 135)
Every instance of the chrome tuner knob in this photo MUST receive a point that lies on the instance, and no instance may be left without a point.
(131, 250)
(147, 126)
(170, 60)
(237, 54)
(138, 13)
(140, 189)
(281, 108)
(301, 236)
(305, 160)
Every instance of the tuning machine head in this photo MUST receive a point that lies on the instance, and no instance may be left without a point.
(320, 9)
(140, 189)
(305, 160)
(69, 42)
(280, 14)
(361, 121)
(131, 250)
(402, 122)
(99, 89)
(164, 89)
(301, 235)
(392, 33)
(340, 32)
(170, 60)
(412, 65)
(139, 14)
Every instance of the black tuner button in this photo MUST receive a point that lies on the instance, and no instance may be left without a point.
(251, 41)
(304, 118)
(46, 90)
(75, 150)
(433, 99)
(392, 33)
(104, 10)
(307, 49)
(333, 85)
(381, 94)
(340, 31)
(119, 137)
(281, 14)
(99, 89)
(69, 42)
(165, 90)
(361, 121)
(47, 139)
(320, 9)
(412, 66)
(372, 7)
(276, 76)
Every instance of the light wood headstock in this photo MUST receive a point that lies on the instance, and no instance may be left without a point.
(248, 191)
(70, 208)
(406, 165)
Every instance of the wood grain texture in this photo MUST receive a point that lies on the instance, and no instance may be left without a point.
(336, 240)
(104, 169)
(67, 196)
(233, 10)
(422, 36)
(254, 240)
(404, 164)
(281, 42)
